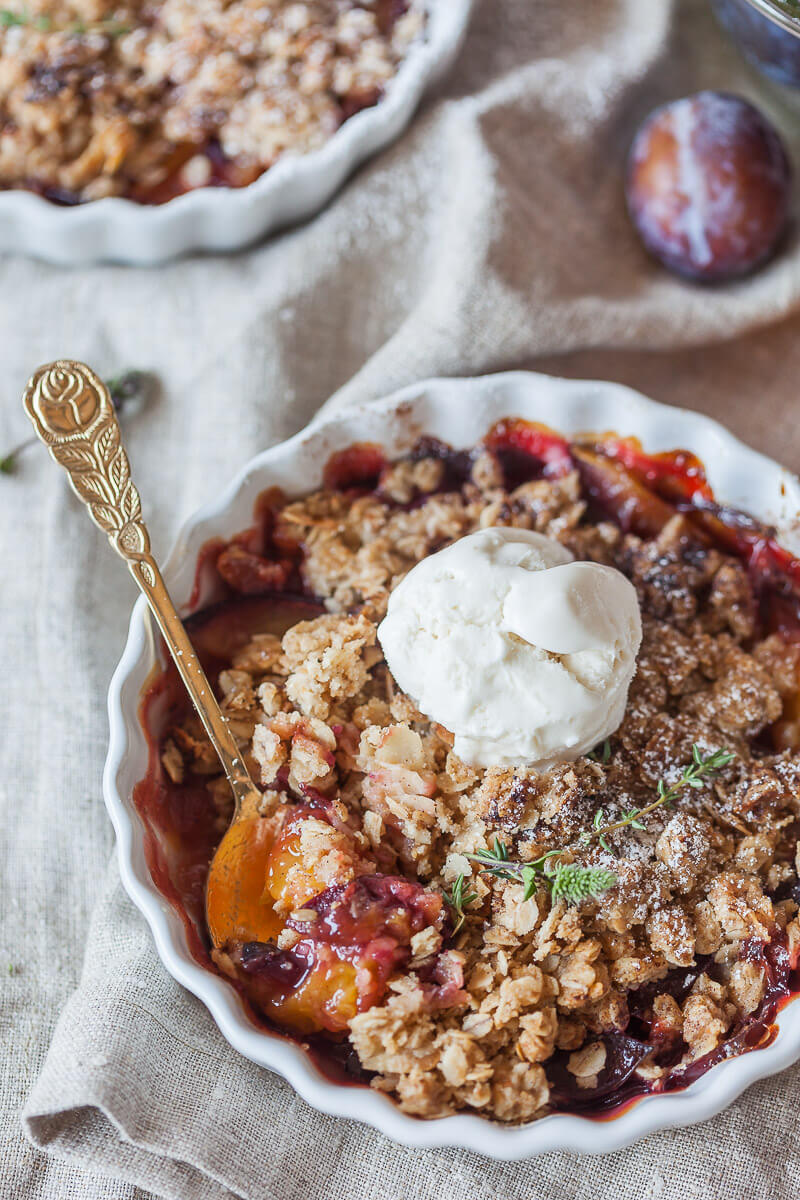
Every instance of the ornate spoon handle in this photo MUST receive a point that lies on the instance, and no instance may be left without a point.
(72, 413)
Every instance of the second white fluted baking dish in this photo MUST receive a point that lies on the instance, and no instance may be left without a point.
(119, 230)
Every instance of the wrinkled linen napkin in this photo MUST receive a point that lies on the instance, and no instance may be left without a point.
(492, 234)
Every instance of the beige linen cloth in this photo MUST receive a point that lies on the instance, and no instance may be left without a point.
(493, 234)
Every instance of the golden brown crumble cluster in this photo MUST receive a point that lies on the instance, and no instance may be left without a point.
(319, 709)
(99, 98)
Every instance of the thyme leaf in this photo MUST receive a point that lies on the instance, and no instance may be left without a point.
(457, 899)
(573, 883)
(601, 754)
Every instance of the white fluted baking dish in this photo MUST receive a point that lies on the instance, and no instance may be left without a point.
(458, 411)
(214, 218)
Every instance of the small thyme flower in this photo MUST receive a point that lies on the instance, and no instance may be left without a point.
(456, 899)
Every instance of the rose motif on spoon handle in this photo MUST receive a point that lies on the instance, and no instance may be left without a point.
(65, 401)
(72, 413)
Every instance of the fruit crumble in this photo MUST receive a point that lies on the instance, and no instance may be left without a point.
(501, 941)
(151, 98)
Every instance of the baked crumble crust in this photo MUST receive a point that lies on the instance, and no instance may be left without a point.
(473, 1020)
(148, 98)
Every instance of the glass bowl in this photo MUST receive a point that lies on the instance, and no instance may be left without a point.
(767, 32)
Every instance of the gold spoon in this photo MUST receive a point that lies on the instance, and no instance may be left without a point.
(73, 415)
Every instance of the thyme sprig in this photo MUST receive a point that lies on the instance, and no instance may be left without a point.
(457, 899)
(571, 881)
(565, 881)
(8, 18)
(128, 388)
(701, 767)
(108, 26)
(125, 390)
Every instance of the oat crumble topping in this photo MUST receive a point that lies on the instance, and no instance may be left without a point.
(531, 1000)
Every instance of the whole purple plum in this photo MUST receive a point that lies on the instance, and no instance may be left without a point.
(708, 186)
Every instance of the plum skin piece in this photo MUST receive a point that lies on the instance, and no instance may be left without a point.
(708, 186)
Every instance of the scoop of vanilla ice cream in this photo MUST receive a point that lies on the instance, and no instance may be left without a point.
(522, 653)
